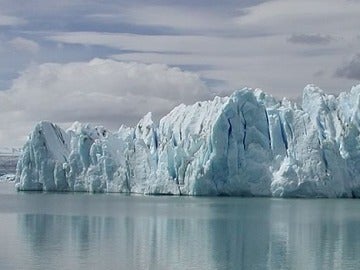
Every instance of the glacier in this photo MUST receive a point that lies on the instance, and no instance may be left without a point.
(247, 144)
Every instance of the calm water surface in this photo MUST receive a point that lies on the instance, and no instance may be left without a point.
(114, 231)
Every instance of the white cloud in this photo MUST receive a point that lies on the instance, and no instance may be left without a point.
(154, 43)
(269, 62)
(265, 59)
(219, 53)
(252, 49)
(310, 39)
(307, 16)
(180, 18)
(98, 91)
(23, 44)
(10, 20)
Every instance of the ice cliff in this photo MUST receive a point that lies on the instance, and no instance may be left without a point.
(246, 144)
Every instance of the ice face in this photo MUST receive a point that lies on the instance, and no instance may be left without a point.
(245, 144)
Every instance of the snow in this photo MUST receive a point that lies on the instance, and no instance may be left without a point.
(8, 151)
(8, 162)
(7, 178)
(248, 144)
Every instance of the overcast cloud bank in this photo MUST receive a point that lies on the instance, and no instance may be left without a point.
(99, 91)
(47, 50)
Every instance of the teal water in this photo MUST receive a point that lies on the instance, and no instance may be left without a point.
(114, 231)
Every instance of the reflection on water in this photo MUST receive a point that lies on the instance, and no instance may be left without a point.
(208, 234)
(108, 242)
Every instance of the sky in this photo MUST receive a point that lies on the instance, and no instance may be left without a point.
(110, 62)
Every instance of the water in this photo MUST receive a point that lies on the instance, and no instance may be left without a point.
(114, 231)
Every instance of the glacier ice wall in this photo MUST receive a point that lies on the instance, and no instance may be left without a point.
(247, 144)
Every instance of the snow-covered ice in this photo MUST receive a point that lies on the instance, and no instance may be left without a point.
(7, 178)
(8, 161)
(246, 144)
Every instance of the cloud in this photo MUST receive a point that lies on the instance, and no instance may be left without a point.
(351, 70)
(253, 50)
(319, 73)
(99, 91)
(322, 16)
(178, 18)
(10, 20)
(23, 44)
(268, 62)
(310, 39)
(152, 43)
(229, 44)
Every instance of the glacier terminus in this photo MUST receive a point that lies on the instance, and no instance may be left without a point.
(248, 144)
